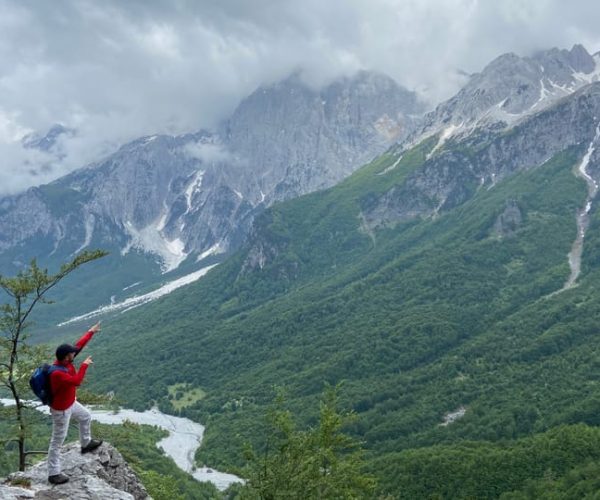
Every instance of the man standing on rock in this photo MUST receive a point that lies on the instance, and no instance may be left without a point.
(63, 384)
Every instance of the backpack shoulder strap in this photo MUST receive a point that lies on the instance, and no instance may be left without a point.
(54, 368)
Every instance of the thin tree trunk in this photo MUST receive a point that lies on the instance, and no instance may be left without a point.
(18, 404)
(21, 453)
(21, 421)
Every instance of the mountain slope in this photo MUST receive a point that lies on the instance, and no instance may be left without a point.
(162, 203)
(173, 196)
(432, 283)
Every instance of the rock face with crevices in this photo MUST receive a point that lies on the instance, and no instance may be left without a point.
(509, 220)
(511, 88)
(175, 196)
(102, 475)
(454, 173)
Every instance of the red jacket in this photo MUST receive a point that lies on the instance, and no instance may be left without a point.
(64, 385)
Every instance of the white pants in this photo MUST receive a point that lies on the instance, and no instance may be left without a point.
(60, 427)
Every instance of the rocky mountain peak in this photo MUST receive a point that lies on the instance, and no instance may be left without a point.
(320, 135)
(580, 59)
(481, 160)
(509, 89)
(562, 63)
(47, 141)
(359, 100)
(184, 197)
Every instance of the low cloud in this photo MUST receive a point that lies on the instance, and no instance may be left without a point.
(114, 71)
(22, 168)
(209, 153)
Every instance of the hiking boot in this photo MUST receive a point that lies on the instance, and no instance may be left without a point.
(58, 479)
(91, 446)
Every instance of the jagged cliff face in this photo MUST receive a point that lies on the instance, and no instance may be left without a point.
(456, 167)
(197, 194)
(320, 137)
(515, 115)
(453, 173)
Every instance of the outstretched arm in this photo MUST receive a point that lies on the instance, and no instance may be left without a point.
(87, 336)
(62, 379)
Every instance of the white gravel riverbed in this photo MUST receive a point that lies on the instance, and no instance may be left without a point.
(185, 437)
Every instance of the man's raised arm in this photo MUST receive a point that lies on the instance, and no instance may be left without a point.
(87, 336)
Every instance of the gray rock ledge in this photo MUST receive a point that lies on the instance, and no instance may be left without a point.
(102, 474)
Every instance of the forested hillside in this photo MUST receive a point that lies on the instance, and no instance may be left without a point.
(349, 249)
(457, 313)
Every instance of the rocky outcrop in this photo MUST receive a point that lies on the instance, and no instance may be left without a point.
(509, 89)
(442, 183)
(305, 139)
(454, 173)
(266, 244)
(100, 475)
(508, 221)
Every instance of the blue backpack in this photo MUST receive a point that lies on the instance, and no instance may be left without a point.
(40, 381)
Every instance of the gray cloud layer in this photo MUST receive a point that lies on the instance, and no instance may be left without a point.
(117, 70)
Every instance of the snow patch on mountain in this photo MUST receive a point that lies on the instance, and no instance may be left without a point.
(162, 221)
(132, 285)
(391, 167)
(176, 247)
(193, 187)
(216, 249)
(149, 139)
(445, 135)
(151, 240)
(544, 94)
(90, 222)
(138, 300)
(592, 184)
(583, 220)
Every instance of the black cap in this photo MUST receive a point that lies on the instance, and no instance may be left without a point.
(64, 349)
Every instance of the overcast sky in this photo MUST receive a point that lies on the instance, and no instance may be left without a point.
(115, 70)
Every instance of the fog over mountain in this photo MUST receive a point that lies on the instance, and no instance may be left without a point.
(114, 71)
(171, 196)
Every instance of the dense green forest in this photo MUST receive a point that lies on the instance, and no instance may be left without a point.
(479, 469)
(419, 320)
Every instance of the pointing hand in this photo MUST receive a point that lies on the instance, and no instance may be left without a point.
(88, 361)
(95, 328)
